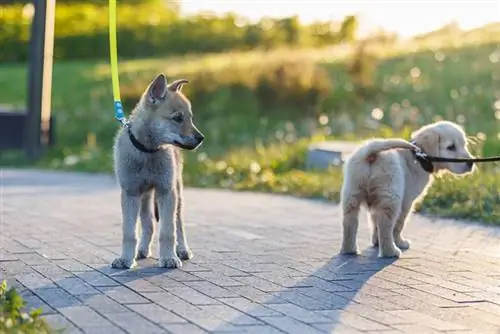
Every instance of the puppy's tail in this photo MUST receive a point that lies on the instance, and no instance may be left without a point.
(155, 207)
(157, 215)
(370, 150)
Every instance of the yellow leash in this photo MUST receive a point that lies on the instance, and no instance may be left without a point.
(113, 53)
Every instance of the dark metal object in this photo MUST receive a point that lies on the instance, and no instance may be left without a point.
(31, 130)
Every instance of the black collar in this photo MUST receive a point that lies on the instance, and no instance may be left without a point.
(137, 144)
(422, 160)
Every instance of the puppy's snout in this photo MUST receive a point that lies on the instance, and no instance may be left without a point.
(199, 136)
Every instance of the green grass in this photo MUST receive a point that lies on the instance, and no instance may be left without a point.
(455, 78)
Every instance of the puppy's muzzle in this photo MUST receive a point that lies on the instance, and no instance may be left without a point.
(191, 143)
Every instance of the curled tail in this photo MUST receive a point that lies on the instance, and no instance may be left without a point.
(157, 215)
(378, 145)
(155, 207)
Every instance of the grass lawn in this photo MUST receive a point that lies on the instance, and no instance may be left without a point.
(452, 78)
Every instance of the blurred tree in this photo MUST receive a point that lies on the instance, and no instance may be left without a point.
(155, 27)
(349, 28)
(290, 27)
(323, 33)
(169, 3)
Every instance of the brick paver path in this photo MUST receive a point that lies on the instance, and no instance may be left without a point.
(263, 264)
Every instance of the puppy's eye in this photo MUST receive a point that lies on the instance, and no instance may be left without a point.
(178, 118)
(452, 147)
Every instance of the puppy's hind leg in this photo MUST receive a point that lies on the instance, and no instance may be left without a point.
(147, 225)
(398, 228)
(130, 211)
(350, 222)
(374, 231)
(384, 217)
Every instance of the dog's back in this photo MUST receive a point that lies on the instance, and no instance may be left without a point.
(367, 161)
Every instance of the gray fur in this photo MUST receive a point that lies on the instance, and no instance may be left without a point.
(154, 180)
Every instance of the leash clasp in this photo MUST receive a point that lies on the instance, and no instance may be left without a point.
(119, 115)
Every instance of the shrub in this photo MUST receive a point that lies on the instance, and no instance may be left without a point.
(283, 89)
(12, 317)
(362, 69)
(302, 86)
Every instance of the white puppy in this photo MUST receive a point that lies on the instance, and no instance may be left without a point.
(383, 176)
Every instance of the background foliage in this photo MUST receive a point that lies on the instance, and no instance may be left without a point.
(149, 28)
(260, 109)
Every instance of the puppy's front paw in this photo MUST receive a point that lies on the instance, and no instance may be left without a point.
(173, 262)
(403, 243)
(349, 250)
(184, 253)
(121, 263)
(143, 254)
(389, 252)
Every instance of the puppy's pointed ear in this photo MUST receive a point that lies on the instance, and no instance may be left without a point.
(157, 89)
(176, 86)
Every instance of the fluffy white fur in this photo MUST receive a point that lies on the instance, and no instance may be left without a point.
(383, 176)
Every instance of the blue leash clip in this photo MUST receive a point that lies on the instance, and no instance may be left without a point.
(120, 117)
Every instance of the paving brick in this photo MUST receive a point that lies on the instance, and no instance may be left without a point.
(85, 318)
(182, 276)
(97, 279)
(192, 296)
(259, 283)
(218, 279)
(300, 313)
(133, 323)
(428, 298)
(72, 265)
(103, 304)
(76, 286)
(230, 315)
(251, 308)
(52, 272)
(291, 325)
(139, 285)
(379, 316)
(202, 318)
(171, 302)
(429, 321)
(448, 294)
(255, 329)
(58, 322)
(310, 303)
(277, 272)
(211, 289)
(155, 313)
(124, 295)
(363, 324)
(411, 329)
(34, 280)
(32, 259)
(337, 328)
(183, 329)
(284, 279)
(256, 295)
(34, 302)
(57, 298)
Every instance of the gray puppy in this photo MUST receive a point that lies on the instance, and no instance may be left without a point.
(148, 166)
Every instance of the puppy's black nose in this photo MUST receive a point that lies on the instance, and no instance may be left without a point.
(199, 137)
